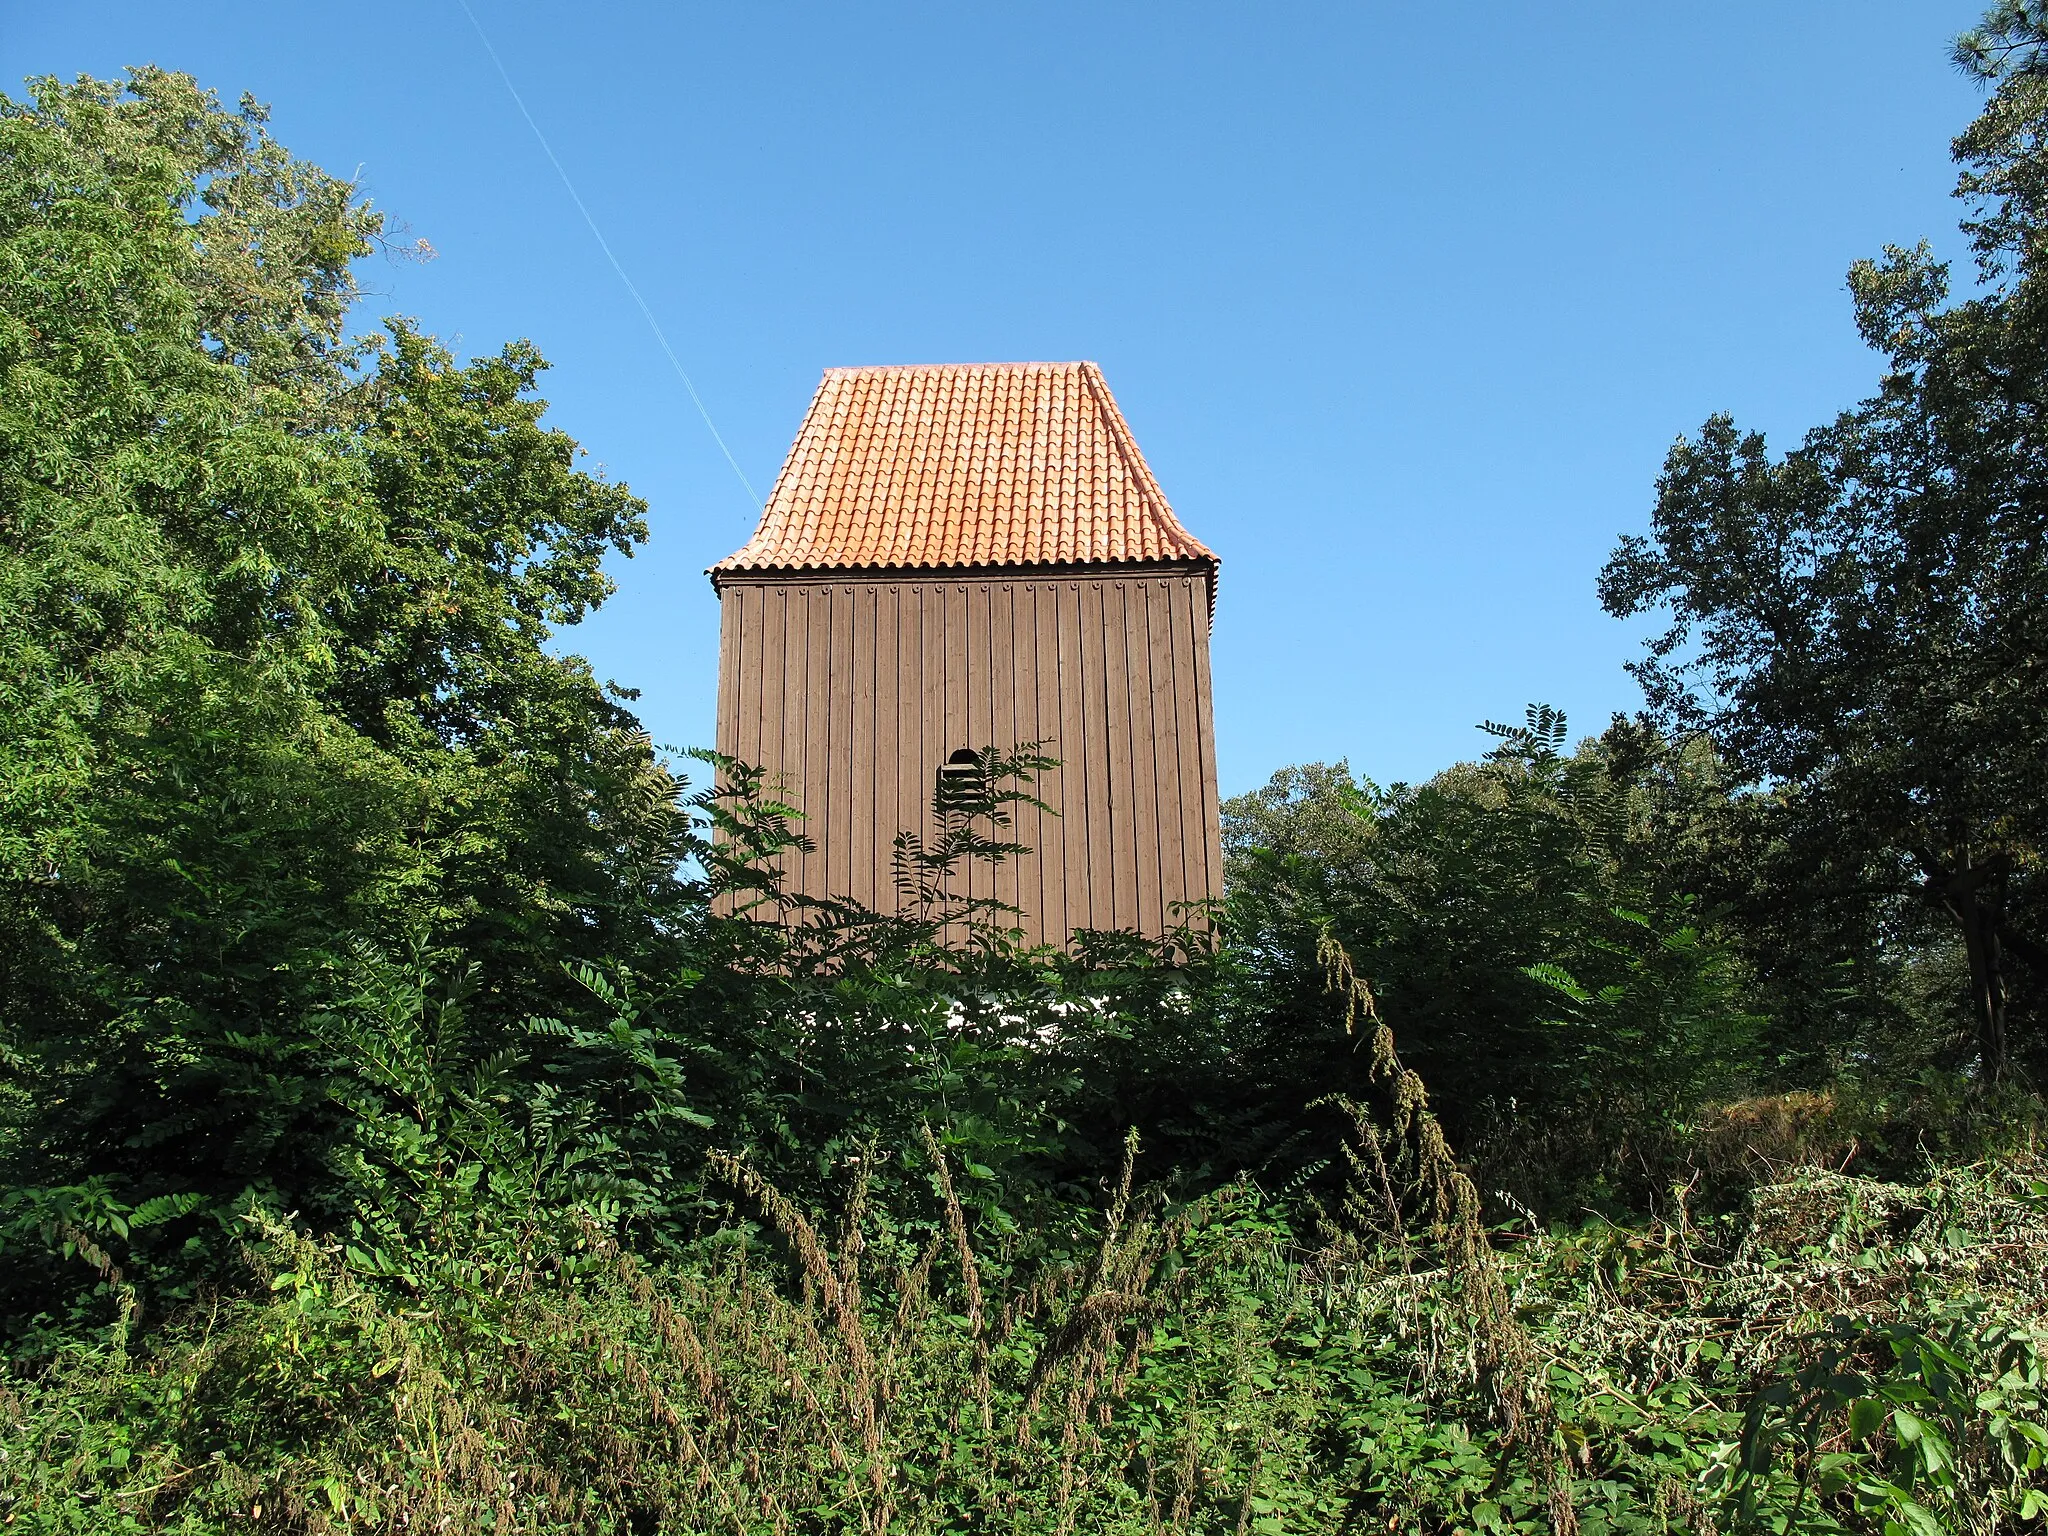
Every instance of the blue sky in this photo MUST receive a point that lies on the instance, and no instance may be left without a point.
(1404, 302)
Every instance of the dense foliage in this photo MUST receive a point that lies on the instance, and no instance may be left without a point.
(273, 612)
(1842, 1358)
(421, 1108)
(1526, 919)
(1861, 623)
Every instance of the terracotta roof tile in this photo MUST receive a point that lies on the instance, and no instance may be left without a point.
(964, 464)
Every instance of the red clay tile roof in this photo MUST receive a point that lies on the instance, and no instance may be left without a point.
(964, 464)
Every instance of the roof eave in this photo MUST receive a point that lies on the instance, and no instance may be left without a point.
(1206, 565)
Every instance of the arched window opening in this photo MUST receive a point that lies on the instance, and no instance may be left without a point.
(959, 778)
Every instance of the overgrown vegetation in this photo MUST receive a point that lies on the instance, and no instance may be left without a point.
(425, 1110)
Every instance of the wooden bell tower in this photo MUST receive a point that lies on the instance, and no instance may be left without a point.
(977, 555)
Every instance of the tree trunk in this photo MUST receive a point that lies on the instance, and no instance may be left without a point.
(1976, 895)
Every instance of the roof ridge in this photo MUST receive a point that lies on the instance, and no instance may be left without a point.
(842, 370)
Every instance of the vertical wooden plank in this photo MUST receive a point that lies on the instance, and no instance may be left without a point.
(1212, 817)
(960, 713)
(839, 738)
(1087, 839)
(728, 669)
(956, 672)
(731, 610)
(1120, 802)
(746, 732)
(953, 710)
(748, 700)
(1187, 711)
(1050, 860)
(1004, 682)
(1136, 689)
(882, 821)
(730, 605)
(1168, 746)
(1103, 868)
(933, 742)
(910, 707)
(973, 696)
(904, 651)
(781, 703)
(1038, 651)
(817, 766)
(860, 744)
(781, 697)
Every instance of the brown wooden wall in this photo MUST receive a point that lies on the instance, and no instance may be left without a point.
(856, 689)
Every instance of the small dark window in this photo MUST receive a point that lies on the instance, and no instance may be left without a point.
(959, 778)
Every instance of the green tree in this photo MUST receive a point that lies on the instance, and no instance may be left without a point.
(275, 676)
(1525, 922)
(1859, 625)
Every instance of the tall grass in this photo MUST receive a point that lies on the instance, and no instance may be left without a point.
(1843, 1355)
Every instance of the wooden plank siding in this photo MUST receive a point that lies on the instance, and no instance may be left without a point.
(852, 691)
